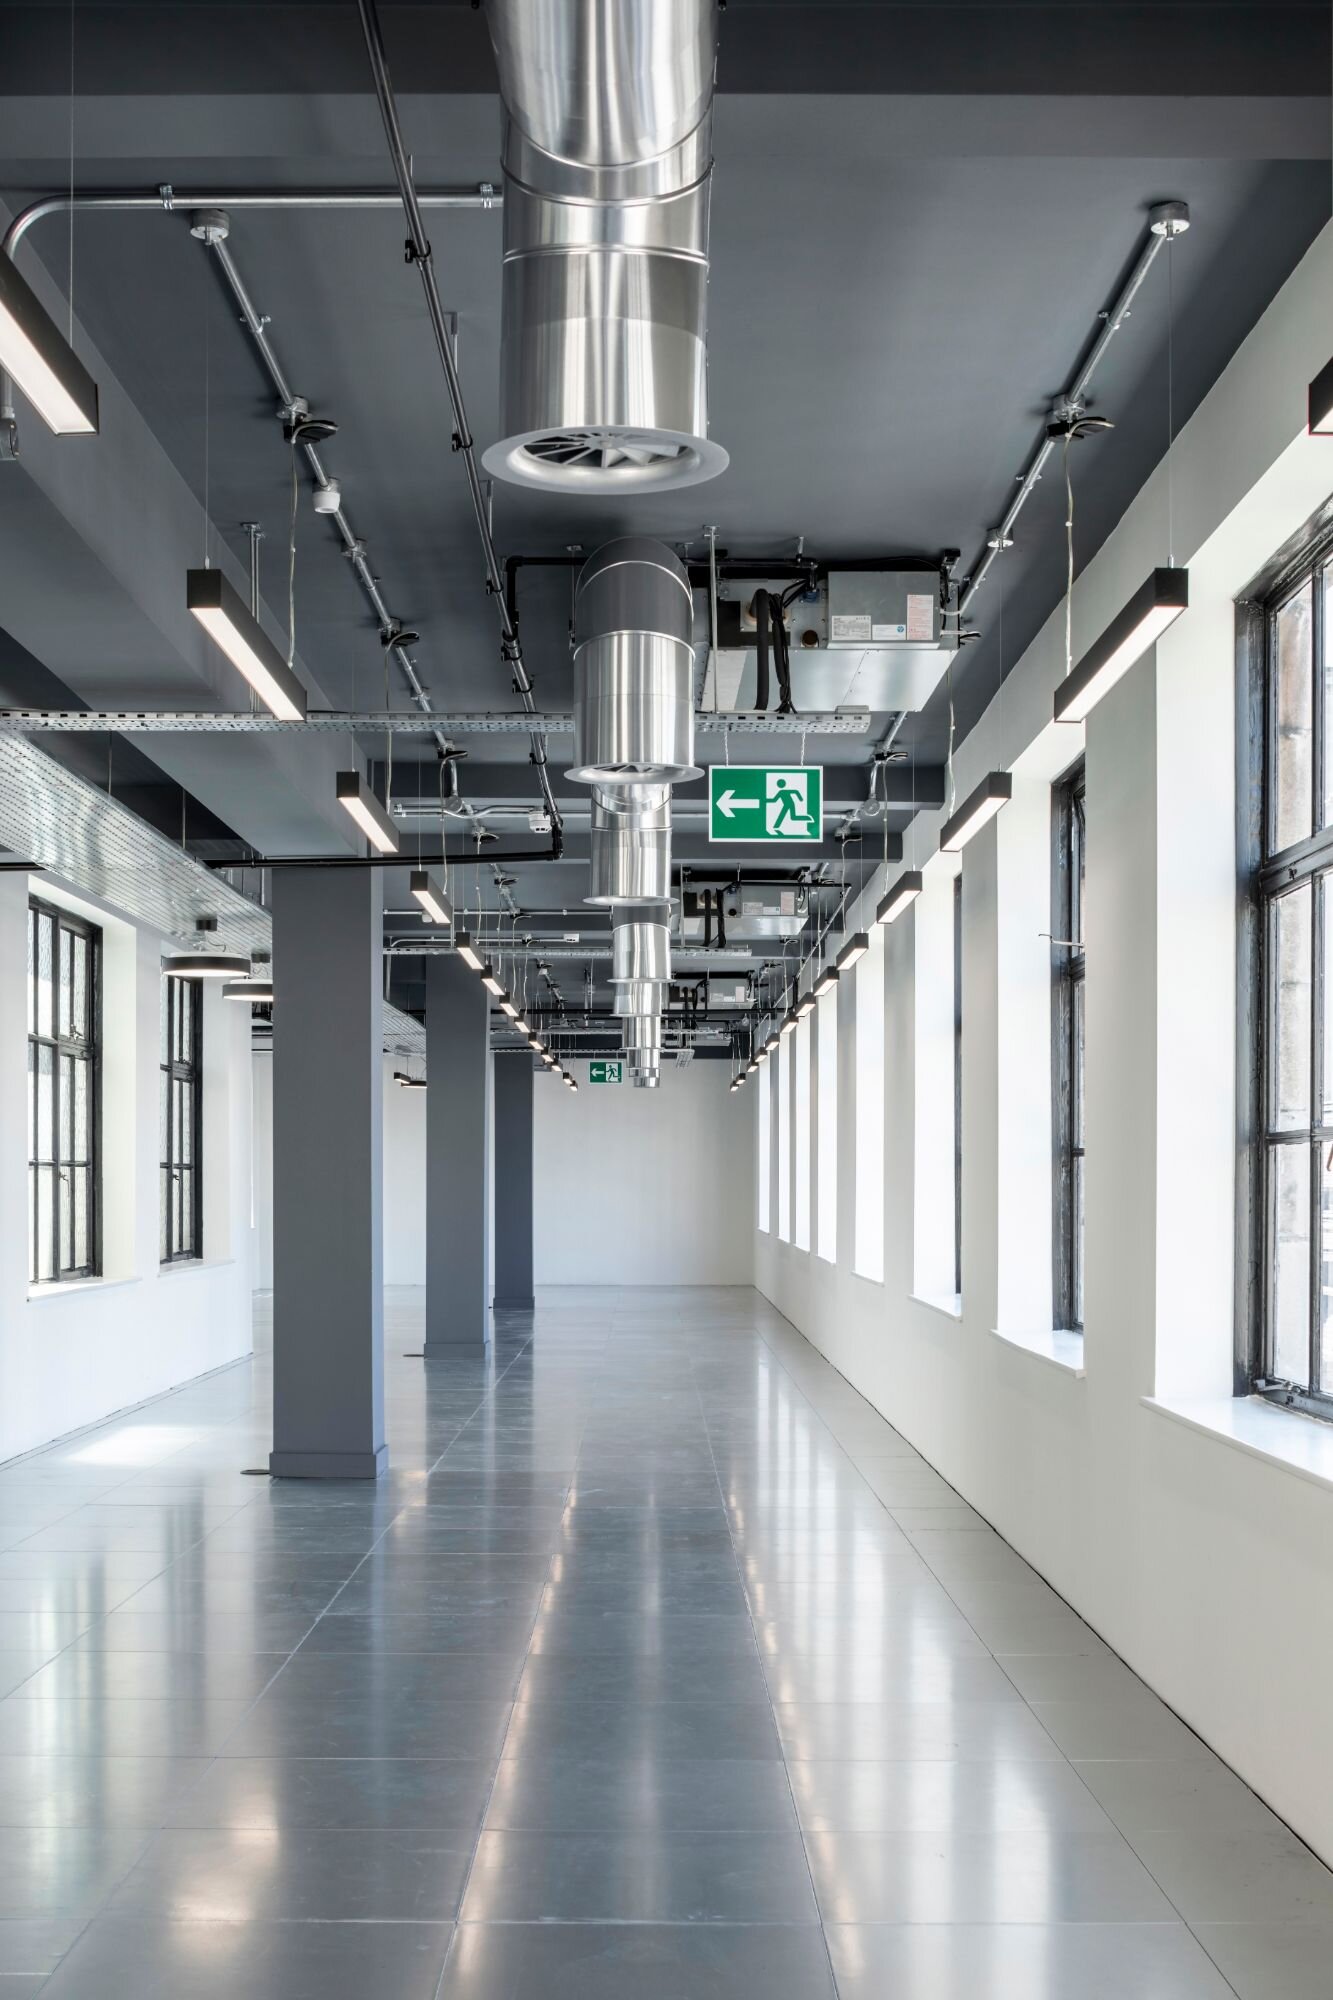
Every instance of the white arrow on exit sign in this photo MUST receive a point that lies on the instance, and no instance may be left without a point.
(729, 804)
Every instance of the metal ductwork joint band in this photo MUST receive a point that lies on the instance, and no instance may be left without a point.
(607, 147)
(633, 667)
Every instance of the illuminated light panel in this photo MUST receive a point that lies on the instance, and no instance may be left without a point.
(1126, 639)
(995, 790)
(365, 809)
(901, 896)
(432, 896)
(857, 945)
(228, 621)
(35, 353)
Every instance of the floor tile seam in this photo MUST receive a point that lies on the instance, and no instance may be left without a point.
(486, 1395)
(46, 1978)
(499, 1759)
(754, 1634)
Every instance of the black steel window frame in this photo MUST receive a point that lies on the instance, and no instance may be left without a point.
(1068, 988)
(958, 1084)
(181, 1080)
(1267, 875)
(64, 1050)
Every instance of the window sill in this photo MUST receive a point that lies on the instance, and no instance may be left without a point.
(1054, 1345)
(1288, 1438)
(951, 1305)
(64, 1288)
(178, 1265)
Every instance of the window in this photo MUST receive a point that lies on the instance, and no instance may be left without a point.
(868, 1241)
(1291, 1356)
(64, 1019)
(826, 1031)
(802, 1040)
(1068, 858)
(179, 1118)
(782, 1057)
(764, 1162)
(958, 1084)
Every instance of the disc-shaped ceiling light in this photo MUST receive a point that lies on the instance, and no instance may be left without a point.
(232, 627)
(259, 992)
(207, 965)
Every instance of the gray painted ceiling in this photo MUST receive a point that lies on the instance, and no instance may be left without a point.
(919, 213)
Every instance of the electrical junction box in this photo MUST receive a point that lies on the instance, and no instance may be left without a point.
(872, 639)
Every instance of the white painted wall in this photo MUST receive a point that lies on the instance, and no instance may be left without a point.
(72, 1354)
(644, 1187)
(1205, 1564)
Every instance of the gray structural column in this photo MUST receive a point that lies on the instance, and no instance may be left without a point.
(513, 1180)
(328, 1279)
(458, 1157)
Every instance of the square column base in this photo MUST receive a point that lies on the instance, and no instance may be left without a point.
(329, 1464)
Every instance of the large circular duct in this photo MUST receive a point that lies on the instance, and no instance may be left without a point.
(631, 844)
(607, 149)
(637, 996)
(643, 1033)
(633, 666)
(640, 951)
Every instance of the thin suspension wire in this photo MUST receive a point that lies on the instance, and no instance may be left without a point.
(1069, 558)
(1170, 406)
(71, 173)
(207, 424)
(291, 564)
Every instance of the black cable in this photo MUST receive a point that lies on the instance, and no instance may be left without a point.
(761, 689)
(782, 655)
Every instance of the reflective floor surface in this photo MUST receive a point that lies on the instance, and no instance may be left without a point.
(658, 1668)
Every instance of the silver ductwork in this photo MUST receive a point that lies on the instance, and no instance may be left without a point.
(631, 844)
(607, 148)
(640, 951)
(633, 666)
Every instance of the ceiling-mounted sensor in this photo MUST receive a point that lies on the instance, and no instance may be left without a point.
(328, 498)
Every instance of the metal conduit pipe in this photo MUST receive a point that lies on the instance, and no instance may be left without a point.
(1165, 220)
(419, 253)
(353, 547)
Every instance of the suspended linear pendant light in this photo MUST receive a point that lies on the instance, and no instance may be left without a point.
(355, 795)
(467, 951)
(901, 896)
(1155, 605)
(232, 627)
(826, 981)
(208, 965)
(41, 361)
(857, 945)
(995, 790)
(430, 892)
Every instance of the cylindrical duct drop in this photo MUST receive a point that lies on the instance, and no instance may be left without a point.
(633, 666)
(631, 844)
(640, 951)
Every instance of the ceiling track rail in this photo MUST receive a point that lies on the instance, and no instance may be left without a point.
(408, 722)
(1166, 219)
(419, 253)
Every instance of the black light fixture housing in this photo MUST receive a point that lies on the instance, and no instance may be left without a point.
(826, 981)
(1155, 605)
(235, 630)
(857, 945)
(36, 355)
(1320, 414)
(995, 790)
(901, 896)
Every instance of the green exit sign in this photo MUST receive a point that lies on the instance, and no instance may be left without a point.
(776, 803)
(605, 1072)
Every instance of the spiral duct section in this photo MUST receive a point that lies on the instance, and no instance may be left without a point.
(607, 150)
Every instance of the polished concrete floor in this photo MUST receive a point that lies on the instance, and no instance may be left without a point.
(659, 1668)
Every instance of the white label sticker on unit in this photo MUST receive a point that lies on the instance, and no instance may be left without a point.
(881, 633)
(850, 625)
(920, 616)
(787, 902)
